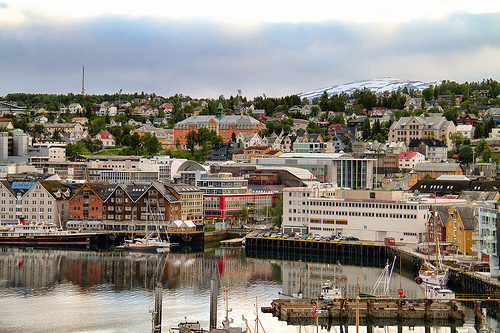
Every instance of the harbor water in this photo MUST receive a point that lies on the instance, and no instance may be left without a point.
(85, 291)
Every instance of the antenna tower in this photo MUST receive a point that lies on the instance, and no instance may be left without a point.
(83, 80)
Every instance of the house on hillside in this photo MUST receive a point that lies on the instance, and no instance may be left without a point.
(108, 140)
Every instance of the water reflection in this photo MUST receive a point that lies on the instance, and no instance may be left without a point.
(68, 291)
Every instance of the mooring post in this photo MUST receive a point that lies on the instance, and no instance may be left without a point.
(158, 308)
(369, 310)
(214, 292)
(477, 312)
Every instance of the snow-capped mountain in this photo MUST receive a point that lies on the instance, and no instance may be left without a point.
(376, 85)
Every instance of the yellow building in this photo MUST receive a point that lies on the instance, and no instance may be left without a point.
(459, 228)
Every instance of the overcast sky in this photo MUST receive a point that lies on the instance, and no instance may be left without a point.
(209, 48)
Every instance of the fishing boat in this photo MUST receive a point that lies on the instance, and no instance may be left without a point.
(429, 274)
(330, 292)
(19, 233)
(439, 294)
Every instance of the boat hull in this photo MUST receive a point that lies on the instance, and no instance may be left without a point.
(52, 240)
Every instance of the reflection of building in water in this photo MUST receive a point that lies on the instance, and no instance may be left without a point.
(29, 268)
(39, 268)
(312, 276)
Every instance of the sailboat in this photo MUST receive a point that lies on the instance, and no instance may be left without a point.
(151, 242)
(429, 274)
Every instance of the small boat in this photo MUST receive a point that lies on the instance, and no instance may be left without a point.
(430, 275)
(147, 245)
(442, 296)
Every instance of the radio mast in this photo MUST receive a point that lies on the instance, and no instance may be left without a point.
(83, 80)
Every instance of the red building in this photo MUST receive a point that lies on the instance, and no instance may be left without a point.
(86, 203)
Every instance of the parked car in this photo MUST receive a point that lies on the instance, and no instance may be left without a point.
(339, 238)
(351, 238)
(260, 227)
(267, 234)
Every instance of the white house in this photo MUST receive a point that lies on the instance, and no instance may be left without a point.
(408, 159)
(466, 130)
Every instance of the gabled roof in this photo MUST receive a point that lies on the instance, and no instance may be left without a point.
(136, 190)
(407, 154)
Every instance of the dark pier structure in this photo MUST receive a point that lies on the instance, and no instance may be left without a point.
(352, 253)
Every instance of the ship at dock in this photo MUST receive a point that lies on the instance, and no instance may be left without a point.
(19, 233)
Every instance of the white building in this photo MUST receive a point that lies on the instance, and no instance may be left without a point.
(340, 169)
(466, 130)
(408, 160)
(485, 236)
(368, 215)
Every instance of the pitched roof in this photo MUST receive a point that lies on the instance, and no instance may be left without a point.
(438, 167)
(104, 134)
(407, 154)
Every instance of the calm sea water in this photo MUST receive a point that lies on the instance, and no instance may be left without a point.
(83, 291)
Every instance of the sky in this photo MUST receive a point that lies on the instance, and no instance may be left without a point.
(205, 49)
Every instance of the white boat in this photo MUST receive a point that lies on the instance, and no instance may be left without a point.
(330, 292)
(438, 293)
(152, 242)
(429, 274)
(148, 245)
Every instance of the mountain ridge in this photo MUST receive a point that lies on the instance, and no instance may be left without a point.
(378, 85)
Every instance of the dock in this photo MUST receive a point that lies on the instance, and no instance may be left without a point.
(370, 310)
(235, 242)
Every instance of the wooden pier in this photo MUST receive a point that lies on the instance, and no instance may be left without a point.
(370, 310)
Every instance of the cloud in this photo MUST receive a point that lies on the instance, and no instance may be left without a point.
(3, 5)
(207, 59)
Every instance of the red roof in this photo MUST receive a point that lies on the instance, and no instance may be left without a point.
(407, 154)
(104, 135)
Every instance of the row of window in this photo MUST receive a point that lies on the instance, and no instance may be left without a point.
(26, 209)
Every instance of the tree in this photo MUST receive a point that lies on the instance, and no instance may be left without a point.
(191, 141)
(135, 142)
(481, 145)
(78, 148)
(233, 137)
(366, 129)
(151, 144)
(242, 215)
(39, 128)
(376, 130)
(486, 155)
(479, 131)
(465, 156)
(457, 139)
(276, 212)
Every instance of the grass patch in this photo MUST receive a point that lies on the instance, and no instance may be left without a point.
(109, 152)
(198, 155)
